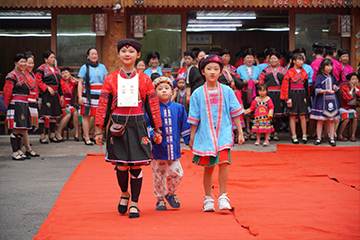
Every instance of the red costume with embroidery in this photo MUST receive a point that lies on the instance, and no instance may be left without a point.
(68, 89)
(293, 77)
(147, 96)
(346, 97)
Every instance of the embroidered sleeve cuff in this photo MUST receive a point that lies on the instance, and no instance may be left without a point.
(317, 90)
(186, 132)
(193, 120)
(237, 112)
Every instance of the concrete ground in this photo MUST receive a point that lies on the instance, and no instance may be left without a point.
(29, 189)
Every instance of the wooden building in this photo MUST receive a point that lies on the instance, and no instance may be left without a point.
(70, 27)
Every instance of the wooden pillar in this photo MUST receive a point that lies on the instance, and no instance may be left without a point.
(53, 31)
(355, 52)
(183, 32)
(292, 30)
(116, 32)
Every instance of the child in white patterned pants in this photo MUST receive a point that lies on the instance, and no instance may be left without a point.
(167, 170)
(166, 174)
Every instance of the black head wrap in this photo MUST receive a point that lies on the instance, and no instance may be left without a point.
(65, 69)
(342, 52)
(187, 53)
(350, 75)
(129, 42)
(209, 59)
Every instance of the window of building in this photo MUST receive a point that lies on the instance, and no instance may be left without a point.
(74, 38)
(163, 36)
(311, 28)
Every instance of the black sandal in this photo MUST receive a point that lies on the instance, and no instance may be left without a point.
(76, 139)
(134, 214)
(89, 144)
(29, 154)
(123, 208)
(54, 140)
(43, 141)
(18, 157)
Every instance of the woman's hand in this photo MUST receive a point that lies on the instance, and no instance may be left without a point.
(81, 101)
(51, 91)
(99, 139)
(330, 91)
(62, 101)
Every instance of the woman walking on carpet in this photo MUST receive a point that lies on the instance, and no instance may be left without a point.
(126, 91)
(212, 107)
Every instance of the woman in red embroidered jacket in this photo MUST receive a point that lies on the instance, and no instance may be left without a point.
(48, 78)
(16, 93)
(295, 91)
(132, 149)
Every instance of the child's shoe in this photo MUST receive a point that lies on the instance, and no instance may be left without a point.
(257, 142)
(208, 204)
(304, 139)
(173, 200)
(223, 202)
(317, 141)
(294, 140)
(332, 142)
(160, 205)
(266, 143)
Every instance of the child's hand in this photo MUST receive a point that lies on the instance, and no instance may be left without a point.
(241, 139)
(157, 138)
(331, 91)
(289, 105)
(191, 143)
(247, 111)
(335, 88)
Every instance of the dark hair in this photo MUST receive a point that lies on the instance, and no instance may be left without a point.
(268, 51)
(262, 86)
(330, 48)
(65, 69)
(19, 56)
(167, 66)
(187, 53)
(154, 76)
(88, 51)
(294, 57)
(29, 54)
(152, 55)
(225, 51)
(324, 62)
(300, 50)
(47, 54)
(276, 54)
(249, 51)
(342, 52)
(318, 48)
(139, 60)
(215, 50)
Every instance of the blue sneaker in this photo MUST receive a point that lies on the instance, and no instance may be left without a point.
(173, 200)
(160, 205)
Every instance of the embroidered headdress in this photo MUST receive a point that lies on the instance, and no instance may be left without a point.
(162, 79)
(209, 59)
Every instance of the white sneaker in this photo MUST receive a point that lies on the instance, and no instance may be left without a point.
(208, 204)
(223, 202)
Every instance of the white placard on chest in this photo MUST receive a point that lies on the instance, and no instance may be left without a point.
(128, 91)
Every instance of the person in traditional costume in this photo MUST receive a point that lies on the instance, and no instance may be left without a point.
(306, 67)
(69, 87)
(153, 62)
(193, 77)
(325, 105)
(180, 95)
(188, 62)
(33, 103)
(273, 76)
(16, 95)
(295, 91)
(127, 92)
(48, 78)
(343, 55)
(213, 106)
(264, 112)
(249, 73)
(166, 166)
(350, 94)
(92, 75)
(229, 75)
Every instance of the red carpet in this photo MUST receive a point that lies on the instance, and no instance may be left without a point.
(300, 192)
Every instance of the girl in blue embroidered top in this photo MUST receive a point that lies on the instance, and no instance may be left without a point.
(166, 167)
(212, 106)
(325, 106)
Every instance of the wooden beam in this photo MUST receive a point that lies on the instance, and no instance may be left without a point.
(292, 30)
(183, 32)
